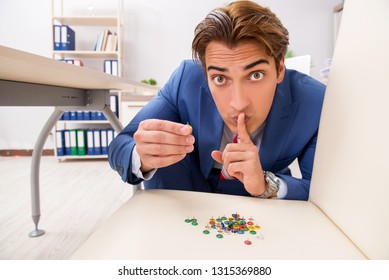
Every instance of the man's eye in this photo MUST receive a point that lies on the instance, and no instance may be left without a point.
(219, 80)
(257, 76)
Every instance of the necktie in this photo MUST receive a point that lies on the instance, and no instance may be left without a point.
(223, 173)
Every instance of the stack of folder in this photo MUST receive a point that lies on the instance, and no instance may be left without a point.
(111, 67)
(81, 142)
(64, 38)
(77, 62)
(82, 116)
(91, 115)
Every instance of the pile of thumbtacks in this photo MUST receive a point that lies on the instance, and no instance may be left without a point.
(236, 224)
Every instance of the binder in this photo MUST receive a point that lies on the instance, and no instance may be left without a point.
(109, 136)
(104, 142)
(73, 142)
(81, 150)
(67, 141)
(107, 66)
(113, 104)
(60, 144)
(93, 115)
(67, 38)
(114, 67)
(89, 142)
(57, 37)
(99, 116)
(96, 142)
(86, 115)
(111, 67)
(73, 115)
(80, 115)
(65, 116)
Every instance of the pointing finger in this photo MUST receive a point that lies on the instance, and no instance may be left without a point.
(243, 135)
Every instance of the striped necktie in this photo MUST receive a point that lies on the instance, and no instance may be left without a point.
(223, 173)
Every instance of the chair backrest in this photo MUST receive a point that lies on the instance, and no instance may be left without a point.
(350, 181)
(300, 63)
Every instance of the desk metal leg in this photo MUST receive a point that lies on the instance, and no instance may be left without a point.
(114, 121)
(35, 164)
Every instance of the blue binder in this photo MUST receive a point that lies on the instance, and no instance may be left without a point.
(86, 115)
(110, 135)
(104, 142)
(57, 37)
(97, 142)
(99, 116)
(107, 66)
(73, 115)
(67, 141)
(111, 67)
(68, 38)
(65, 116)
(113, 104)
(93, 115)
(60, 143)
(80, 115)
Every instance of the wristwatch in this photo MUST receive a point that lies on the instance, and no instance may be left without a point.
(273, 185)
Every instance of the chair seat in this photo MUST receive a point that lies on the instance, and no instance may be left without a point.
(151, 225)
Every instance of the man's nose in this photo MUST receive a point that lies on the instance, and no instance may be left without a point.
(239, 99)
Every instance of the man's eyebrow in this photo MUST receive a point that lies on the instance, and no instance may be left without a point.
(251, 65)
(221, 69)
(247, 67)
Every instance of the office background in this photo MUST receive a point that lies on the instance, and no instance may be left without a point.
(157, 36)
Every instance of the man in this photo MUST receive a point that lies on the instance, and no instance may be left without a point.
(236, 89)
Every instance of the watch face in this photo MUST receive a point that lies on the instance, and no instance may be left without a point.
(271, 178)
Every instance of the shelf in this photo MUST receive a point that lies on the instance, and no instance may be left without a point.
(91, 54)
(87, 20)
(84, 122)
(82, 157)
(85, 26)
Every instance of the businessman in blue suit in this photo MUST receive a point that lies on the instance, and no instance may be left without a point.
(249, 116)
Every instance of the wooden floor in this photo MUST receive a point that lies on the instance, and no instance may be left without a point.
(76, 197)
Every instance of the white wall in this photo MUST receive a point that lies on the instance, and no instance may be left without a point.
(157, 34)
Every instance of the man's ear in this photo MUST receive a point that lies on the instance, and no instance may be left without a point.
(281, 70)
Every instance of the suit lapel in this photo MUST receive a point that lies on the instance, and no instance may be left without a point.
(278, 123)
(210, 130)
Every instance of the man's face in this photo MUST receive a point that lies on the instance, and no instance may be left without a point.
(242, 79)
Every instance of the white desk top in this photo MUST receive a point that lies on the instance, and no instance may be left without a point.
(151, 225)
(16, 65)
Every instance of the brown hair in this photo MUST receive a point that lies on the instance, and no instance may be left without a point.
(241, 21)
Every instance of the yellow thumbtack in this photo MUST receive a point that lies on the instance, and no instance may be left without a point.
(190, 127)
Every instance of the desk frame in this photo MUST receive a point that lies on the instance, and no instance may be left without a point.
(13, 93)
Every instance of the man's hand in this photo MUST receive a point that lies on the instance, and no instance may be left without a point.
(161, 143)
(241, 160)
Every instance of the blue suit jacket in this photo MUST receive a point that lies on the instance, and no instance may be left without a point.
(290, 132)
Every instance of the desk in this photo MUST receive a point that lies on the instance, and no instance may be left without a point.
(151, 225)
(32, 80)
